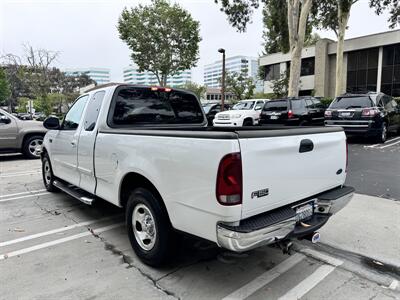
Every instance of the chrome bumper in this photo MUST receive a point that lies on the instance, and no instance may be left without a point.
(244, 241)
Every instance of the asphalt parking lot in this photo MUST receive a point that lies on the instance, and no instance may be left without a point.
(54, 247)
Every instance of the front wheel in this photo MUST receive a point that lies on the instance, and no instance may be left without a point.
(248, 122)
(47, 174)
(149, 229)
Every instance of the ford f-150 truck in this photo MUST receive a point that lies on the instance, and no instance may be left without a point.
(149, 150)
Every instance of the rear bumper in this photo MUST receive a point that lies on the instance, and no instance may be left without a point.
(279, 224)
(369, 127)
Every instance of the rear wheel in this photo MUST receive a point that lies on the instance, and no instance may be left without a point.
(149, 229)
(382, 136)
(33, 146)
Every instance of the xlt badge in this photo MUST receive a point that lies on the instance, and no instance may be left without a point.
(260, 193)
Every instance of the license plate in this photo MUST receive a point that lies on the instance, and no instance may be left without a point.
(274, 117)
(345, 114)
(304, 212)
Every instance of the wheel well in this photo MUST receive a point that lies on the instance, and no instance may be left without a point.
(248, 119)
(132, 181)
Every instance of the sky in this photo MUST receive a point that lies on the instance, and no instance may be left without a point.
(85, 35)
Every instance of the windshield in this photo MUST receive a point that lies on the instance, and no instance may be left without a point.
(351, 102)
(280, 105)
(207, 107)
(245, 105)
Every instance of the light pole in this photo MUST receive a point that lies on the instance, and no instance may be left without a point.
(221, 50)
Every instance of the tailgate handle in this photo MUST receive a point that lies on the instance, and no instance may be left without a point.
(306, 146)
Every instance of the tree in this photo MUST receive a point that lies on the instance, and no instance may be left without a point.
(164, 38)
(392, 5)
(198, 89)
(239, 84)
(5, 91)
(239, 12)
(280, 86)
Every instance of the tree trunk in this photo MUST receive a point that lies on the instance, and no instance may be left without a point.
(297, 31)
(343, 18)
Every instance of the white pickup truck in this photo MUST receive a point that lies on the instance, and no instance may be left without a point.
(148, 150)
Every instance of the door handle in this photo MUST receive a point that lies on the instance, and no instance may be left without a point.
(306, 146)
(73, 144)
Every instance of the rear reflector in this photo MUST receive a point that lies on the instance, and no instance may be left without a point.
(290, 114)
(229, 180)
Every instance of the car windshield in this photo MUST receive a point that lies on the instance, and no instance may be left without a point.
(245, 105)
(280, 105)
(351, 102)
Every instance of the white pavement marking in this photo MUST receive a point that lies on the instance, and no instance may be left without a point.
(393, 286)
(26, 196)
(69, 227)
(59, 241)
(22, 193)
(383, 147)
(322, 257)
(265, 278)
(20, 174)
(307, 284)
(385, 143)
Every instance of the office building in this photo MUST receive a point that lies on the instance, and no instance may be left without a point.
(99, 75)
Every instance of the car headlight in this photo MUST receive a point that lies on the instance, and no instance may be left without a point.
(236, 116)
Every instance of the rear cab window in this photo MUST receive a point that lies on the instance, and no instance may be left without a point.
(276, 105)
(149, 106)
(351, 102)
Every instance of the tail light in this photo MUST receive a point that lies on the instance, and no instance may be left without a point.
(229, 180)
(160, 89)
(290, 114)
(369, 112)
(328, 113)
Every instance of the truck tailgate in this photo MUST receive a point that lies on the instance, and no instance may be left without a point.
(276, 172)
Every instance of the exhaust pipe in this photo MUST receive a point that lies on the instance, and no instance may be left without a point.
(314, 237)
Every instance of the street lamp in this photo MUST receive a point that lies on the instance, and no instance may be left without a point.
(221, 50)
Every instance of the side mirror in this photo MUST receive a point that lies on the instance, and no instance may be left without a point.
(52, 123)
(5, 120)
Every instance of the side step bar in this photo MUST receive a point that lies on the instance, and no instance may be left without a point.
(75, 192)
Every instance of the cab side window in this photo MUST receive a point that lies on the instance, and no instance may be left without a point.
(93, 110)
(74, 115)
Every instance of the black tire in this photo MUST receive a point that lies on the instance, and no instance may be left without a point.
(161, 244)
(382, 136)
(47, 174)
(248, 122)
(31, 146)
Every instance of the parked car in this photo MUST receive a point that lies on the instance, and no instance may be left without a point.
(370, 115)
(20, 136)
(211, 109)
(39, 116)
(148, 150)
(24, 116)
(244, 113)
(299, 111)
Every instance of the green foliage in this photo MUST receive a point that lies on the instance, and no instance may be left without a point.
(280, 86)
(240, 85)
(5, 91)
(164, 38)
(22, 104)
(198, 89)
(262, 95)
(393, 6)
(326, 101)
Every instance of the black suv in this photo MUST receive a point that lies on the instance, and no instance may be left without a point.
(299, 111)
(370, 114)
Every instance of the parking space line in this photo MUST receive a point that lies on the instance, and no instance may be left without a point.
(393, 286)
(20, 174)
(25, 196)
(395, 143)
(384, 144)
(22, 193)
(265, 278)
(58, 241)
(41, 234)
(309, 283)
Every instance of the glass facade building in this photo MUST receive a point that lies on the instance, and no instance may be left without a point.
(99, 75)
(132, 75)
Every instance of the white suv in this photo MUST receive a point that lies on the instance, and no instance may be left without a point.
(244, 113)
